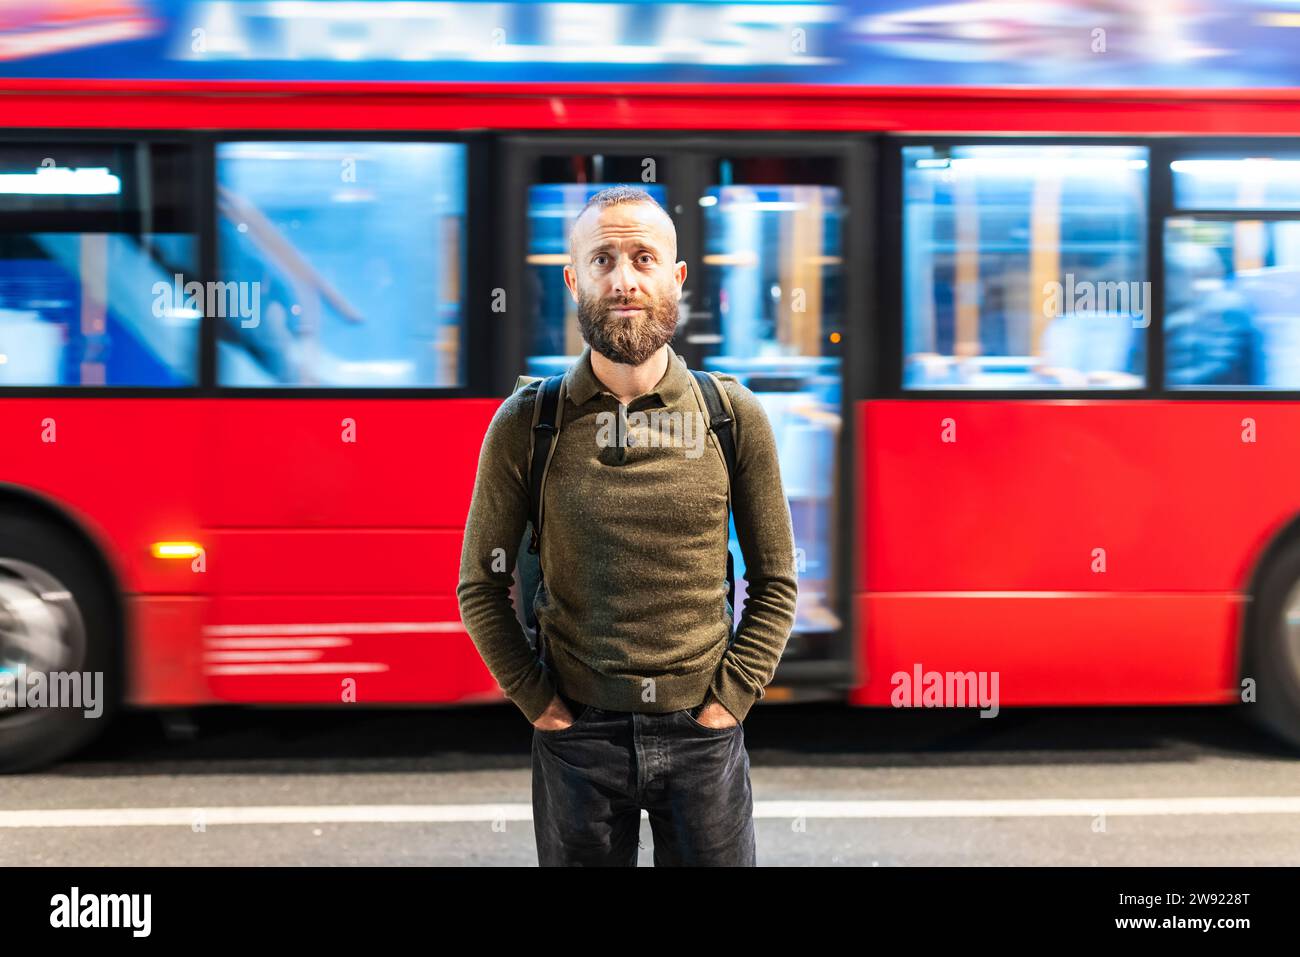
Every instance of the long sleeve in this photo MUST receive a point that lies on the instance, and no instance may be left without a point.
(765, 532)
(498, 516)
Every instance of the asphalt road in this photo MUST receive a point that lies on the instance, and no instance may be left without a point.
(833, 786)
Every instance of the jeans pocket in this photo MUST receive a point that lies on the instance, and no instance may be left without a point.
(583, 715)
(689, 715)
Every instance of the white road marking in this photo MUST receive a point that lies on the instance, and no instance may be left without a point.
(469, 813)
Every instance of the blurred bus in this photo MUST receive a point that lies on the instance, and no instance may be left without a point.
(1032, 359)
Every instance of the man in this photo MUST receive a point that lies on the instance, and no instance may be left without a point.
(640, 700)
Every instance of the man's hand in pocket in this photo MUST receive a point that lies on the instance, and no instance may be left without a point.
(715, 715)
(556, 717)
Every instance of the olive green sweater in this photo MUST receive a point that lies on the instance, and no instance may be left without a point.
(634, 550)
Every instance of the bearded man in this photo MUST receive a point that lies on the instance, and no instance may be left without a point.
(638, 701)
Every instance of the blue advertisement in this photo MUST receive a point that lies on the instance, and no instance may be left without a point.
(1173, 44)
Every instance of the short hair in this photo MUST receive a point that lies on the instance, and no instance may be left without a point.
(616, 196)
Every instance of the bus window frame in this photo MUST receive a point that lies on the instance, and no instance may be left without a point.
(27, 136)
(1236, 148)
(1162, 150)
(480, 331)
(892, 360)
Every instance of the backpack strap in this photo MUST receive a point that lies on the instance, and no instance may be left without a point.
(721, 426)
(720, 423)
(546, 426)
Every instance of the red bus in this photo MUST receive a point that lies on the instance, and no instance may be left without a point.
(1033, 359)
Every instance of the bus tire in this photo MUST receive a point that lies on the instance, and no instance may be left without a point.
(57, 613)
(1271, 657)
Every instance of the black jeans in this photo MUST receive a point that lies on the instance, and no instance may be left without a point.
(592, 779)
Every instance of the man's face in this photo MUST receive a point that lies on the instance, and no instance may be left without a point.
(625, 281)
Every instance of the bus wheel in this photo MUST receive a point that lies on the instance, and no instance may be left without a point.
(1272, 653)
(58, 654)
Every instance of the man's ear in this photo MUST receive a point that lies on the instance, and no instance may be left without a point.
(571, 281)
(679, 276)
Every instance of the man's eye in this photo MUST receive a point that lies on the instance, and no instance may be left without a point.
(600, 260)
(646, 258)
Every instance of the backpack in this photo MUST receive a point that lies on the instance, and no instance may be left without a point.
(546, 427)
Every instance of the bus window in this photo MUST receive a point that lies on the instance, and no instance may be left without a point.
(563, 186)
(1232, 303)
(1024, 267)
(771, 314)
(1232, 279)
(93, 241)
(1254, 182)
(350, 254)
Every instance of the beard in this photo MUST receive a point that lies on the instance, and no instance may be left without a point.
(630, 340)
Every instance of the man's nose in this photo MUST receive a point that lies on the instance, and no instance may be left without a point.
(625, 279)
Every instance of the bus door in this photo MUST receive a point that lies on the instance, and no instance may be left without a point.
(764, 228)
